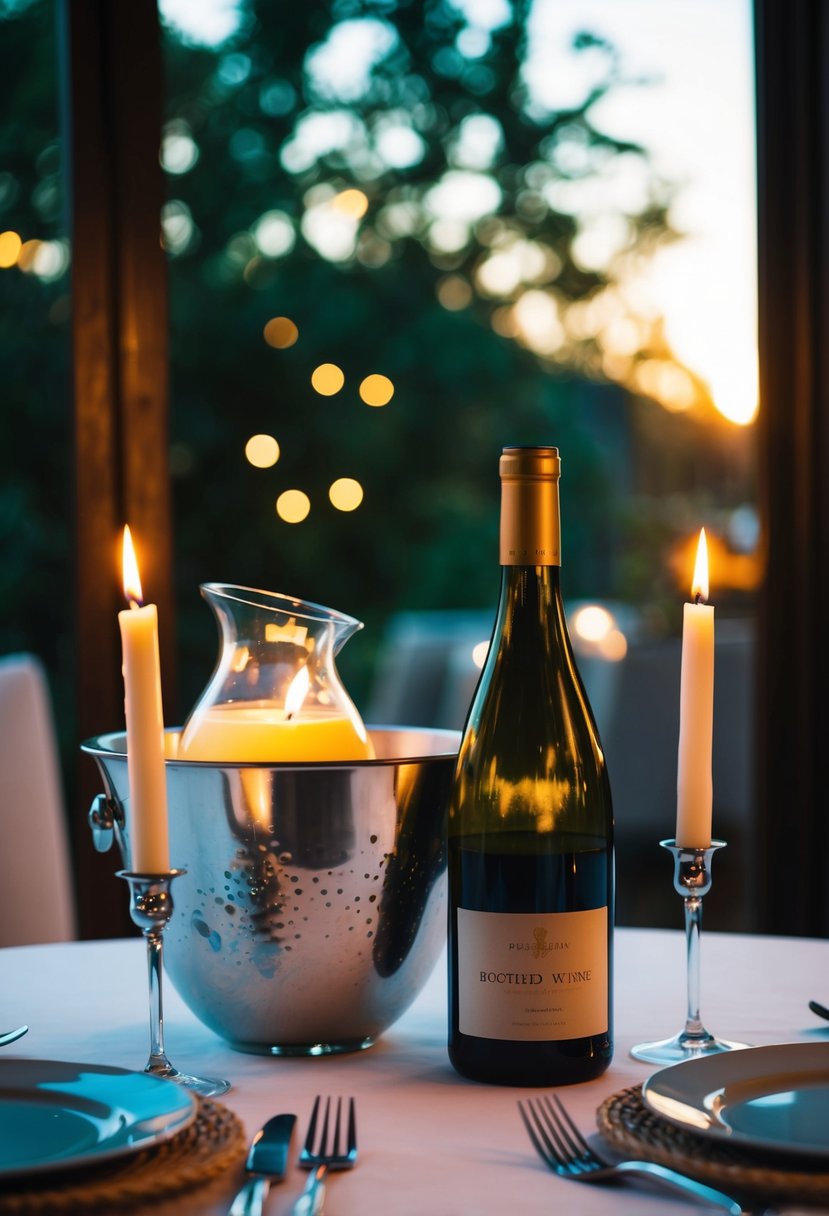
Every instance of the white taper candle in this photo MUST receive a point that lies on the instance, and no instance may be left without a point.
(147, 804)
(696, 713)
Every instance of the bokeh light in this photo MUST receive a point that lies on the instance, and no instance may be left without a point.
(669, 384)
(179, 151)
(734, 391)
(50, 260)
(274, 233)
(281, 332)
(515, 262)
(331, 220)
(10, 246)
(614, 647)
(346, 494)
(26, 256)
(479, 653)
(454, 292)
(262, 451)
(592, 623)
(352, 203)
(327, 379)
(293, 506)
(596, 633)
(178, 229)
(376, 390)
(537, 322)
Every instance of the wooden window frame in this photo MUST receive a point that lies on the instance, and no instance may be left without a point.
(112, 116)
(792, 54)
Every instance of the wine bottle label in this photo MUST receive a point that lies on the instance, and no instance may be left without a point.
(532, 977)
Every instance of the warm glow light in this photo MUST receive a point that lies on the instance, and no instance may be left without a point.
(293, 506)
(614, 646)
(376, 390)
(10, 246)
(596, 632)
(622, 336)
(504, 323)
(262, 451)
(297, 692)
(129, 567)
(327, 379)
(537, 322)
(670, 385)
(454, 292)
(679, 1111)
(479, 653)
(593, 623)
(505, 269)
(281, 332)
(352, 203)
(290, 632)
(346, 494)
(735, 392)
(699, 586)
(26, 256)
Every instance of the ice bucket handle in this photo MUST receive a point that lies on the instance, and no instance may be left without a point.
(106, 823)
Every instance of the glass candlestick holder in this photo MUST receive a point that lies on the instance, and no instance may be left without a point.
(692, 880)
(151, 906)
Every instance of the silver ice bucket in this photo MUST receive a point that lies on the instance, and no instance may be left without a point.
(314, 904)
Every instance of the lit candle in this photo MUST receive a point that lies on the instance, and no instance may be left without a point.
(696, 713)
(264, 733)
(147, 804)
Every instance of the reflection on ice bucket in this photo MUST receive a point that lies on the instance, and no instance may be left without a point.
(313, 907)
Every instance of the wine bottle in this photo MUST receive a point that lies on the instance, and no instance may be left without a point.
(530, 826)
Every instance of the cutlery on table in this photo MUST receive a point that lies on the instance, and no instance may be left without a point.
(321, 1154)
(564, 1149)
(819, 1009)
(9, 1036)
(266, 1162)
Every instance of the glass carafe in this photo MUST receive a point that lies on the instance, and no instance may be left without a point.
(275, 695)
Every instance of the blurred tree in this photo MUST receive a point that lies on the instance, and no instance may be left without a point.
(36, 584)
(380, 174)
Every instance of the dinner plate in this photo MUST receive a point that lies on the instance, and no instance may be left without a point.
(55, 1115)
(761, 1097)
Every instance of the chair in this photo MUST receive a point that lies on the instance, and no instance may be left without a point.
(36, 891)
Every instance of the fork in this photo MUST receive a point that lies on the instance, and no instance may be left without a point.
(319, 1155)
(564, 1149)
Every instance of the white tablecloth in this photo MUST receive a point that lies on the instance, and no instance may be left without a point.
(431, 1144)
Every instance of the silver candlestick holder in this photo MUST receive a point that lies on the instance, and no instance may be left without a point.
(151, 906)
(692, 880)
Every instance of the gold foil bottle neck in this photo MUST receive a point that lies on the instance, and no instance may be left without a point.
(530, 527)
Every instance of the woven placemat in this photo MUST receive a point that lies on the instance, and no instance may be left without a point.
(635, 1131)
(214, 1142)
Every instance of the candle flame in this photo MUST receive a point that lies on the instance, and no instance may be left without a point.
(297, 692)
(699, 586)
(129, 564)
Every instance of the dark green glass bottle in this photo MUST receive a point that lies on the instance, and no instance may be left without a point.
(530, 826)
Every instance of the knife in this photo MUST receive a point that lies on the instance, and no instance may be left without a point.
(266, 1163)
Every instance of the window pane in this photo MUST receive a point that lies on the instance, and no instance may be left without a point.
(400, 241)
